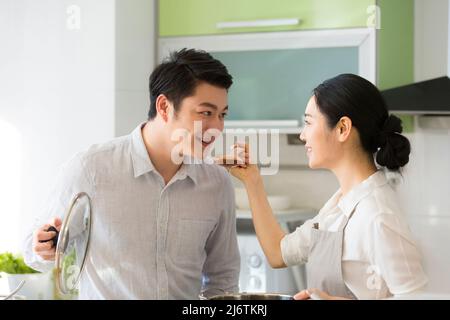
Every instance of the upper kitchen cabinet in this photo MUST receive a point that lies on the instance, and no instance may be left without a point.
(207, 17)
(304, 43)
(274, 73)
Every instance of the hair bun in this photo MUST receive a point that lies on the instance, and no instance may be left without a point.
(394, 147)
(392, 125)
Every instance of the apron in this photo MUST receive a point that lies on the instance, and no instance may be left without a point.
(324, 267)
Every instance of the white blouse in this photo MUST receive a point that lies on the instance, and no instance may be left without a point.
(380, 257)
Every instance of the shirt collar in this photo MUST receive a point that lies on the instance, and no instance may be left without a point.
(188, 170)
(142, 163)
(348, 203)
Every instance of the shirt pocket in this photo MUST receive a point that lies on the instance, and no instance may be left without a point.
(191, 240)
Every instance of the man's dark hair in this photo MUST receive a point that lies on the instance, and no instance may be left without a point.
(178, 76)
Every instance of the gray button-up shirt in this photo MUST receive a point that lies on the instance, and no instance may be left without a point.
(149, 240)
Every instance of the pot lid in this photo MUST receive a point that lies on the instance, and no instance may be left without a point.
(73, 244)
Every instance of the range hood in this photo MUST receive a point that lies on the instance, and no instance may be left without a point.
(426, 97)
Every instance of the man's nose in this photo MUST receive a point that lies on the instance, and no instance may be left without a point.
(218, 124)
(213, 131)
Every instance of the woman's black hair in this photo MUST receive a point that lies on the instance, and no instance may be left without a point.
(357, 98)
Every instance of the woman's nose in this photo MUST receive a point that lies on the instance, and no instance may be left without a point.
(301, 137)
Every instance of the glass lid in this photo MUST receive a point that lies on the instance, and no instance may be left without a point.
(73, 244)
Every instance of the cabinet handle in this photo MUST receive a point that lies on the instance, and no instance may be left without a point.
(258, 23)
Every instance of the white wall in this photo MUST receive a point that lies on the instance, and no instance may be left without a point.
(59, 85)
(431, 39)
(135, 57)
(61, 97)
(425, 198)
(10, 100)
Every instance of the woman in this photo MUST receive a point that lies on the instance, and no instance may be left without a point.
(359, 245)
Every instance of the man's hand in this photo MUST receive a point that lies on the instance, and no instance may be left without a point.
(42, 244)
(315, 294)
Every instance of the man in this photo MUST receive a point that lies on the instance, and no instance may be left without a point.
(161, 229)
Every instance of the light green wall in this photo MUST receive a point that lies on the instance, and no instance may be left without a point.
(396, 43)
(396, 47)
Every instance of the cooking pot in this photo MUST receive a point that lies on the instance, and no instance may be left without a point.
(252, 296)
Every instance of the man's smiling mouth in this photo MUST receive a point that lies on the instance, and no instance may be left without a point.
(205, 141)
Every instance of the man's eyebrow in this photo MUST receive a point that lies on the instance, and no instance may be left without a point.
(211, 105)
(308, 115)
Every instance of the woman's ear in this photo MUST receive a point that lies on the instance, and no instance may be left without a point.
(344, 128)
(163, 107)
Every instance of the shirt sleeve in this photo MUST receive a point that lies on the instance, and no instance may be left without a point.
(222, 265)
(395, 255)
(72, 179)
(295, 246)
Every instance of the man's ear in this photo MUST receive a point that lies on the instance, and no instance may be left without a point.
(163, 107)
(344, 128)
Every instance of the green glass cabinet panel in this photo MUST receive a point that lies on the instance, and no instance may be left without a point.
(277, 84)
(200, 17)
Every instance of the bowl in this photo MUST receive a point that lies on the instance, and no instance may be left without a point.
(241, 198)
(279, 203)
(38, 286)
(14, 297)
